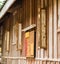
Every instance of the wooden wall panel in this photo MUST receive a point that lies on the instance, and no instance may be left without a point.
(52, 32)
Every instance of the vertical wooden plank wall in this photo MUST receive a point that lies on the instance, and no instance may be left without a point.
(52, 44)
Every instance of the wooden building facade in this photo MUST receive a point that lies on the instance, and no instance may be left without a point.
(31, 33)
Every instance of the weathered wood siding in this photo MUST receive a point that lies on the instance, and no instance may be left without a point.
(30, 14)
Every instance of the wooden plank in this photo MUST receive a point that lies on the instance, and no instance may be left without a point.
(50, 29)
(19, 61)
(29, 27)
(47, 51)
(56, 62)
(58, 13)
(52, 63)
(38, 31)
(42, 53)
(27, 13)
(43, 29)
(44, 62)
(55, 28)
(58, 45)
(58, 29)
(19, 44)
(7, 41)
(42, 3)
(45, 56)
(32, 43)
(14, 26)
(42, 50)
(38, 53)
(41, 62)
(48, 62)
(30, 19)
(35, 62)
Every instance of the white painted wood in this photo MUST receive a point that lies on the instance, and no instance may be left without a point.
(6, 7)
(50, 29)
(55, 29)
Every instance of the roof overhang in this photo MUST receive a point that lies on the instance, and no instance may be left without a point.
(2, 3)
(5, 6)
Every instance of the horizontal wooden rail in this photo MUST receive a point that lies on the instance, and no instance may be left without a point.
(37, 59)
(29, 27)
(48, 59)
(15, 58)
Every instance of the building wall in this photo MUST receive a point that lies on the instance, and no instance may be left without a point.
(31, 14)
